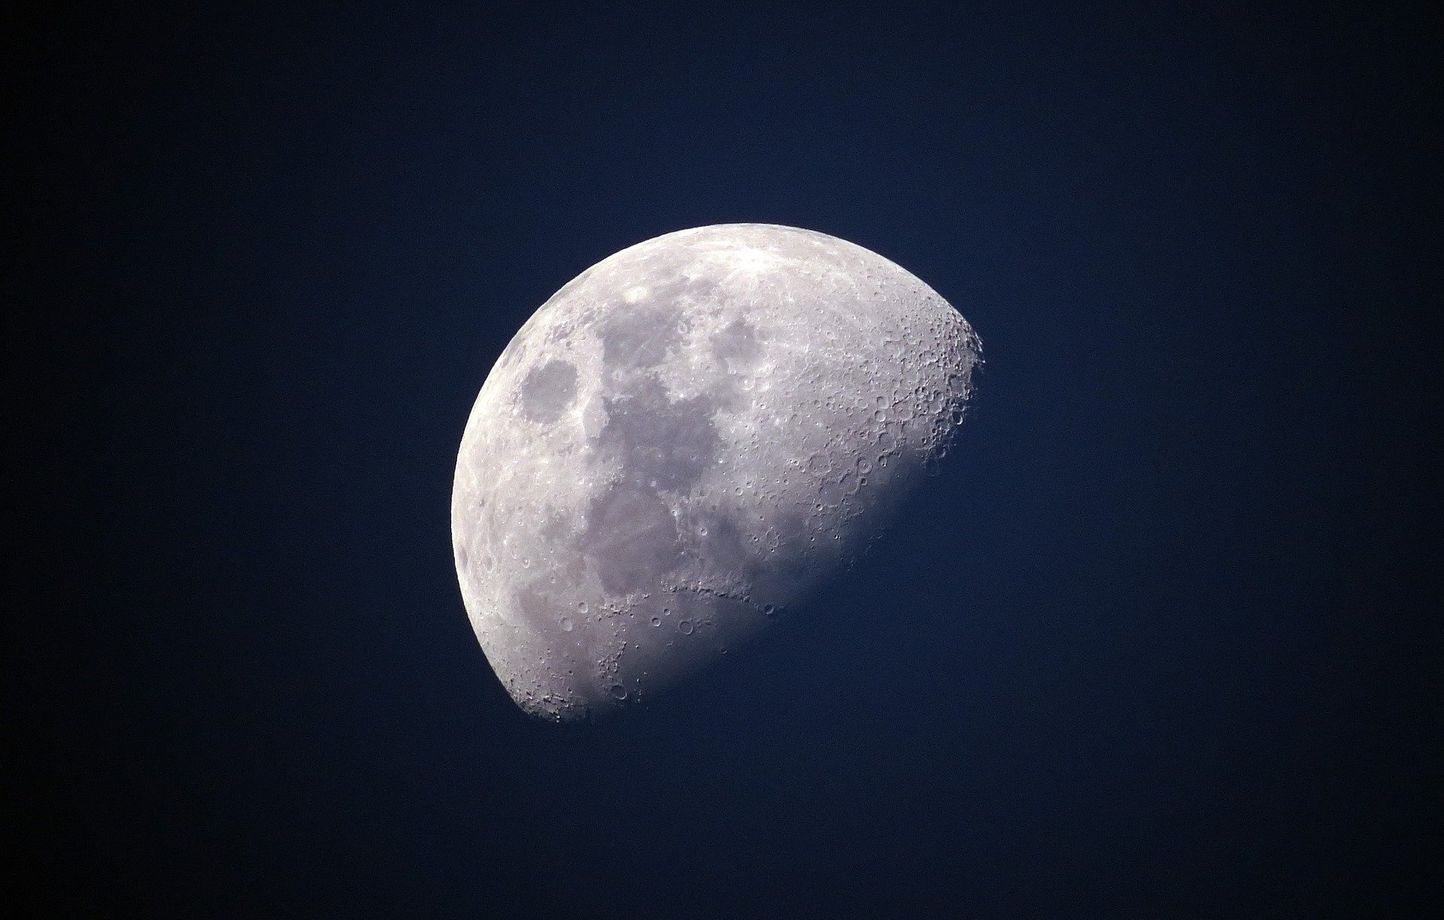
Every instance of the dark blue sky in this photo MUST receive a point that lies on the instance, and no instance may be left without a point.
(1149, 649)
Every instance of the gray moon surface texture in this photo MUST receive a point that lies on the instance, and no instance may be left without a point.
(684, 441)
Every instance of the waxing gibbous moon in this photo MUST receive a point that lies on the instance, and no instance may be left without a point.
(682, 442)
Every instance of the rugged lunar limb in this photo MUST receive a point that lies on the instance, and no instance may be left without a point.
(684, 440)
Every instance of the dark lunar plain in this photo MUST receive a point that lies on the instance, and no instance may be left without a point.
(1156, 642)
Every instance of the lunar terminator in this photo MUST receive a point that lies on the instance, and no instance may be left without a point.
(685, 440)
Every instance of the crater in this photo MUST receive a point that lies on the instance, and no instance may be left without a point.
(548, 390)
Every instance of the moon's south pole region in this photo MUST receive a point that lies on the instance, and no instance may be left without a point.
(682, 442)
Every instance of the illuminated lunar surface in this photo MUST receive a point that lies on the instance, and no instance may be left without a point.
(682, 442)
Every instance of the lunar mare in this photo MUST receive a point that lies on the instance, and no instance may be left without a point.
(683, 441)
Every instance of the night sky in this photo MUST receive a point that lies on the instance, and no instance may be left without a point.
(1150, 646)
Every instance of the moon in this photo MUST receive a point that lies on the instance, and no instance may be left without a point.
(684, 441)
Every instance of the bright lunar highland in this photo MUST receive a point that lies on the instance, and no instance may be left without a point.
(682, 442)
